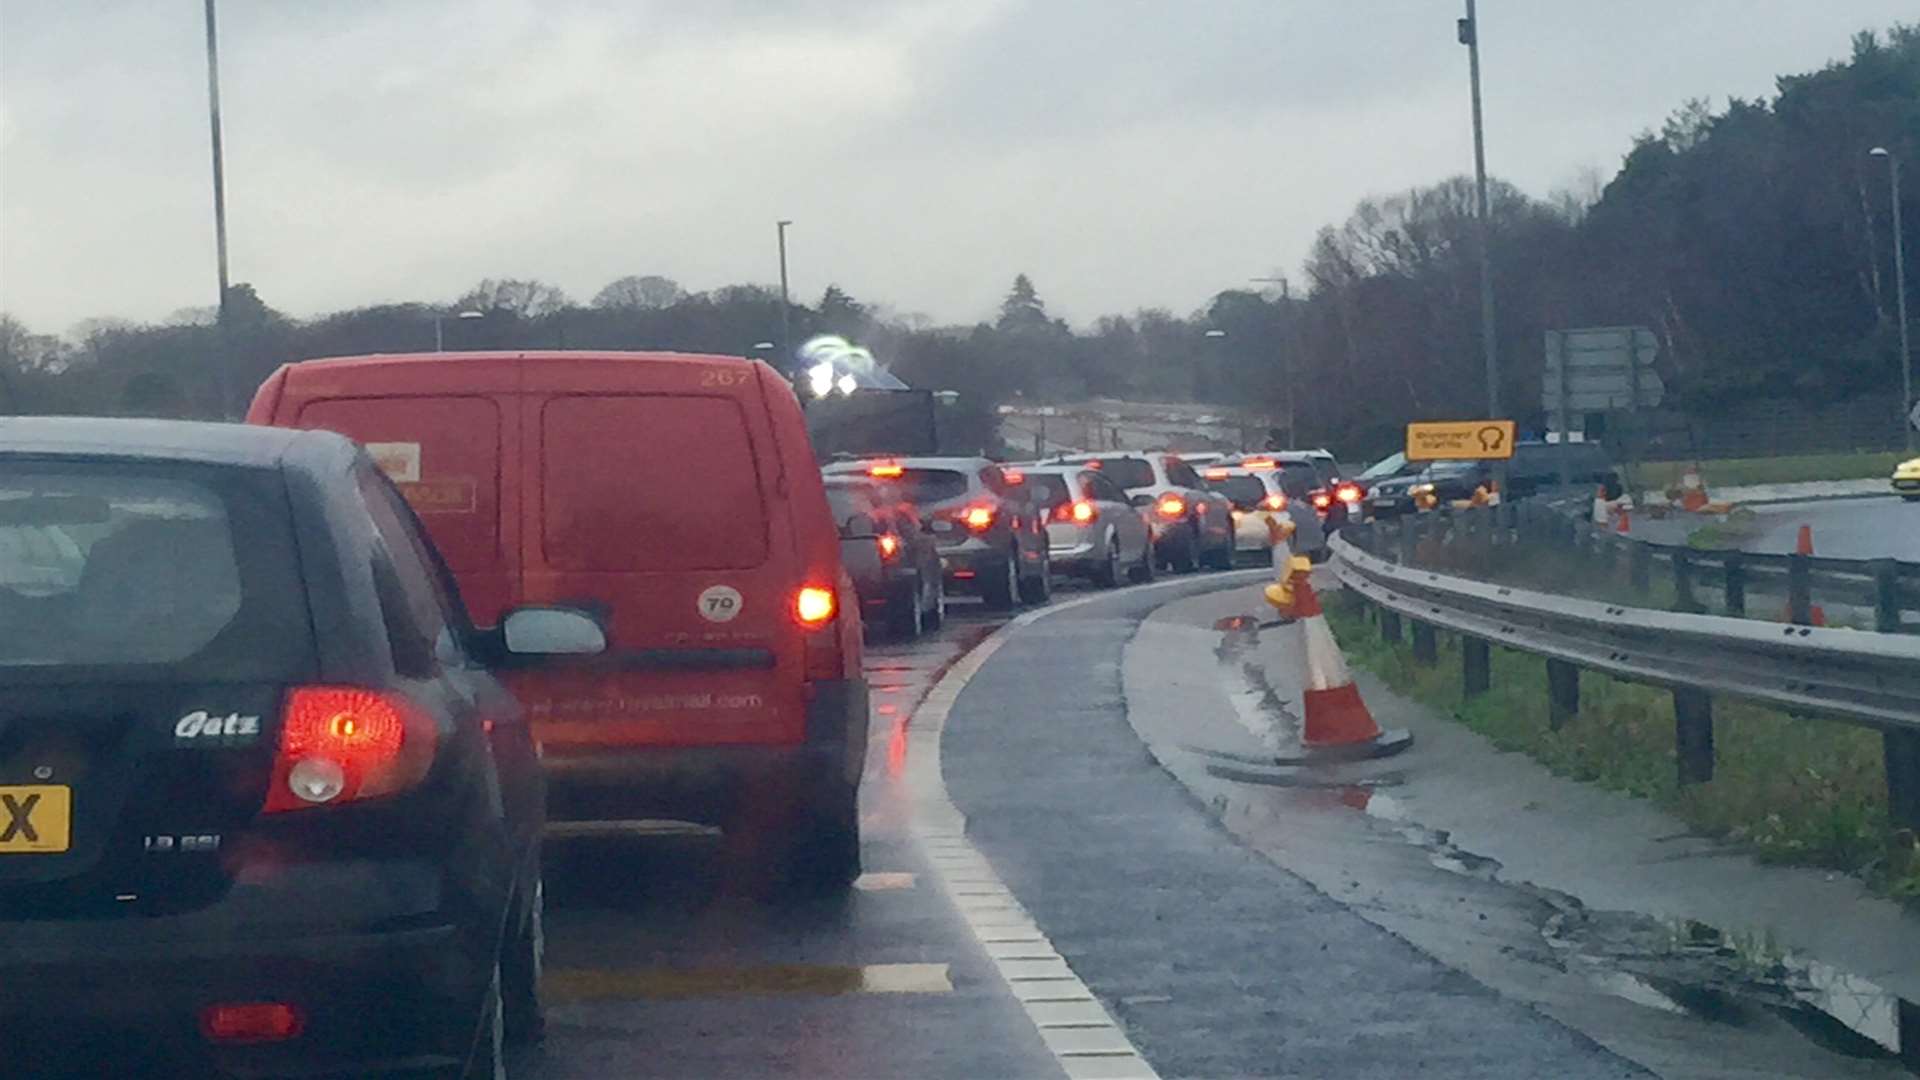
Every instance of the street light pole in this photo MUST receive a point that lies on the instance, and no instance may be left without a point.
(224, 376)
(1900, 290)
(1286, 355)
(1469, 31)
(786, 340)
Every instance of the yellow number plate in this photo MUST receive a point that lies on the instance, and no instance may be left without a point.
(35, 819)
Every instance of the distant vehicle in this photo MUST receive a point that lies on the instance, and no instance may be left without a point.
(992, 538)
(279, 819)
(1906, 480)
(1192, 525)
(733, 693)
(1093, 531)
(1258, 494)
(891, 556)
(1331, 496)
(1535, 467)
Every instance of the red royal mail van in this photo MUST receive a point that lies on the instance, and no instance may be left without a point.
(676, 496)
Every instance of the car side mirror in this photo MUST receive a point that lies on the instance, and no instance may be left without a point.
(552, 631)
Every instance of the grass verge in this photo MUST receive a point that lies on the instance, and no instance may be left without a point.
(1793, 791)
(1735, 472)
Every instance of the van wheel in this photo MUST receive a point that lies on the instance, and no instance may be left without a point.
(906, 615)
(824, 856)
(1038, 589)
(1108, 576)
(521, 967)
(1000, 585)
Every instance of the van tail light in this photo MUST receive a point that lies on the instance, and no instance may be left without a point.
(1275, 501)
(1171, 506)
(814, 607)
(251, 1022)
(1347, 493)
(1077, 513)
(339, 744)
(889, 546)
(978, 518)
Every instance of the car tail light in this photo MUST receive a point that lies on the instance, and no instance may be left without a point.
(342, 743)
(889, 546)
(1275, 501)
(978, 518)
(1171, 506)
(1080, 513)
(1216, 474)
(1347, 493)
(814, 606)
(886, 470)
(251, 1022)
(1322, 500)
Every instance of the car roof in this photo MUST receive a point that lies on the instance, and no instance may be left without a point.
(155, 440)
(859, 465)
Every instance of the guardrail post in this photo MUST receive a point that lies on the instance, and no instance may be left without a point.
(1563, 693)
(1886, 596)
(1734, 564)
(1683, 598)
(1640, 568)
(1389, 624)
(1903, 778)
(1426, 647)
(1693, 735)
(1476, 666)
(1799, 590)
(1409, 539)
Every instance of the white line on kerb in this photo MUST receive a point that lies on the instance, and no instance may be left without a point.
(1087, 1043)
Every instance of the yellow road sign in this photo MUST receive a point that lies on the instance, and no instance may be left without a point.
(1458, 439)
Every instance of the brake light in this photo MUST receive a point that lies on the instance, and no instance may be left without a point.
(1079, 513)
(1013, 476)
(978, 518)
(1275, 501)
(1322, 500)
(342, 743)
(251, 1022)
(1259, 464)
(886, 470)
(1216, 474)
(1172, 506)
(889, 546)
(1348, 493)
(813, 606)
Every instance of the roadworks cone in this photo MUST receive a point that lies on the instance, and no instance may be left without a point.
(1693, 490)
(1336, 724)
(1804, 544)
(1623, 522)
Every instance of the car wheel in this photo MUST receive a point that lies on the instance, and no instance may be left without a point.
(488, 1057)
(936, 616)
(824, 857)
(1108, 576)
(1038, 589)
(906, 614)
(1000, 585)
(1143, 572)
(1222, 556)
(1911, 498)
(1185, 556)
(521, 968)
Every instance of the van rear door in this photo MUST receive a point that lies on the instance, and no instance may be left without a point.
(655, 495)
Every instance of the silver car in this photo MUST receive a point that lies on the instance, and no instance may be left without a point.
(1092, 529)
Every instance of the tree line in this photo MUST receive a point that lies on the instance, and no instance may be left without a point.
(1755, 239)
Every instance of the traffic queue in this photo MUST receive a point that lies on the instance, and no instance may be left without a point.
(300, 699)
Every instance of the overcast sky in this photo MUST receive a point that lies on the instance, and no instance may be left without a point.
(1125, 153)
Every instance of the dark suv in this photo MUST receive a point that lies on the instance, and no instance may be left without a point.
(991, 535)
(264, 811)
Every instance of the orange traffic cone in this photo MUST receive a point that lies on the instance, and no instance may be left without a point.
(1693, 490)
(1623, 523)
(1804, 545)
(1337, 723)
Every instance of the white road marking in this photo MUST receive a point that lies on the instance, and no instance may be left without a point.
(1086, 1041)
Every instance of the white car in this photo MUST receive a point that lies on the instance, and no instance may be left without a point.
(1262, 493)
(1093, 530)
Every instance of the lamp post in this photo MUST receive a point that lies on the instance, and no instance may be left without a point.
(1900, 289)
(786, 340)
(1286, 356)
(1469, 32)
(224, 363)
(439, 336)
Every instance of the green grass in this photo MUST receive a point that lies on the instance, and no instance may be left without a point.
(1807, 792)
(1735, 472)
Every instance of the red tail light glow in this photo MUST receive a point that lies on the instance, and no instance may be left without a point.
(978, 518)
(1347, 493)
(814, 606)
(251, 1022)
(1322, 500)
(1079, 513)
(341, 743)
(1216, 474)
(1171, 506)
(889, 546)
(1275, 501)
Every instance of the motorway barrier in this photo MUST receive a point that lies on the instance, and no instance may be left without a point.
(1851, 676)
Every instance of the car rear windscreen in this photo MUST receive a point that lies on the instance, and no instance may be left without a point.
(1049, 489)
(923, 486)
(846, 500)
(650, 482)
(113, 565)
(1243, 490)
(1128, 472)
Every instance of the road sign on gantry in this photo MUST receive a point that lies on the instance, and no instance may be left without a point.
(1601, 368)
(1455, 440)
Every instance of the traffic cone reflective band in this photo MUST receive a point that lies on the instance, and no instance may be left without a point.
(1693, 490)
(1335, 715)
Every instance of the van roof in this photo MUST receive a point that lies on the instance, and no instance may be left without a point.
(507, 359)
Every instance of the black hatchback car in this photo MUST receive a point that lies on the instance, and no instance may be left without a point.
(262, 810)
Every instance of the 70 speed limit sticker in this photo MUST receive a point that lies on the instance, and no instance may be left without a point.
(719, 603)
